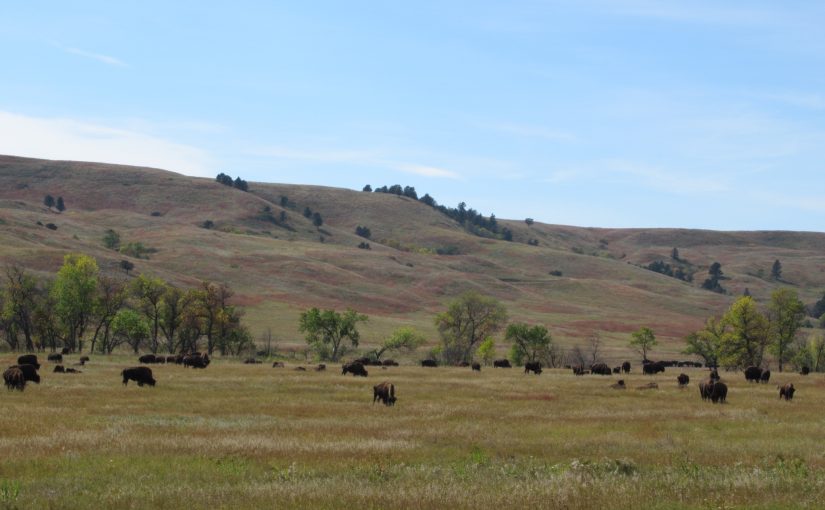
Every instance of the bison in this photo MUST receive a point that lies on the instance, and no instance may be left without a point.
(532, 366)
(753, 374)
(14, 379)
(65, 351)
(390, 363)
(30, 373)
(55, 356)
(59, 369)
(83, 360)
(683, 380)
(29, 359)
(196, 361)
(626, 367)
(617, 370)
(578, 370)
(354, 368)
(251, 361)
(476, 367)
(384, 392)
(619, 385)
(429, 363)
(653, 367)
(147, 359)
(805, 370)
(278, 364)
(648, 386)
(320, 368)
(502, 363)
(141, 375)
(766, 376)
(600, 368)
(718, 392)
(786, 391)
(714, 375)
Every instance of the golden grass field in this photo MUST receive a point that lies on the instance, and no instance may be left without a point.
(251, 436)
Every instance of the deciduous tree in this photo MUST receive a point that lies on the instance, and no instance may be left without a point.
(327, 331)
(468, 320)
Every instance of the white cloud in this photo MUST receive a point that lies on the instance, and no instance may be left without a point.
(56, 138)
(106, 59)
(426, 171)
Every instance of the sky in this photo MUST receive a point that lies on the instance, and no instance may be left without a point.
(600, 113)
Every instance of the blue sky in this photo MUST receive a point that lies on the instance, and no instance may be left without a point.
(625, 113)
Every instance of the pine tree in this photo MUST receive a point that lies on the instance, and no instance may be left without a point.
(48, 201)
(60, 205)
(776, 270)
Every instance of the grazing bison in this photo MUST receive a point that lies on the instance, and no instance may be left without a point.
(476, 367)
(55, 356)
(384, 392)
(617, 370)
(320, 368)
(786, 391)
(71, 370)
(805, 370)
(718, 392)
(626, 367)
(653, 367)
(196, 361)
(251, 361)
(14, 379)
(354, 368)
(532, 366)
(30, 373)
(172, 359)
(753, 374)
(648, 386)
(300, 369)
(147, 359)
(600, 368)
(59, 369)
(83, 360)
(160, 360)
(683, 380)
(141, 375)
(619, 385)
(578, 370)
(502, 363)
(28, 359)
(390, 363)
(278, 364)
(766, 376)
(429, 363)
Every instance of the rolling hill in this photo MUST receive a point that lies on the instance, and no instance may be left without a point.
(278, 266)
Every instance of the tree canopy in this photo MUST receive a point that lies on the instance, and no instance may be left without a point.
(468, 320)
(327, 331)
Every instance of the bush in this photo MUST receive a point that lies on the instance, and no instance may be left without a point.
(208, 224)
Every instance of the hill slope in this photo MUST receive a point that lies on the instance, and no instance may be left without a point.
(278, 267)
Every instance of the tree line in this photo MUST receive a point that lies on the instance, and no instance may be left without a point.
(82, 309)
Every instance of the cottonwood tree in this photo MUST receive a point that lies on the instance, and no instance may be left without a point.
(746, 336)
(530, 343)
(468, 320)
(174, 306)
(111, 297)
(643, 341)
(785, 315)
(404, 338)
(486, 351)
(128, 327)
(327, 331)
(149, 293)
(707, 342)
(74, 290)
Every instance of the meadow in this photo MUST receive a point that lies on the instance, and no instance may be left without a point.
(253, 436)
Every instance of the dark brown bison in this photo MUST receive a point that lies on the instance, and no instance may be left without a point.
(196, 361)
(30, 373)
(753, 374)
(463, 364)
(502, 363)
(429, 363)
(683, 380)
(320, 368)
(600, 369)
(626, 367)
(532, 366)
(161, 360)
(300, 369)
(390, 363)
(141, 375)
(653, 367)
(278, 364)
(476, 367)
(617, 370)
(766, 376)
(14, 379)
(147, 359)
(786, 391)
(64, 351)
(56, 357)
(28, 359)
(59, 369)
(70, 370)
(718, 392)
(83, 360)
(384, 392)
(251, 361)
(578, 370)
(619, 385)
(805, 370)
(354, 368)
(172, 359)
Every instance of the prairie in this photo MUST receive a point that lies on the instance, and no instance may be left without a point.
(252, 436)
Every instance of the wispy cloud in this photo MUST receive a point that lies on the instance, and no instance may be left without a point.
(426, 171)
(60, 138)
(106, 59)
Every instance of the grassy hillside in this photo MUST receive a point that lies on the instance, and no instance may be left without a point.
(279, 268)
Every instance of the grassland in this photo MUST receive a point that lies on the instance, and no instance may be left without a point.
(250, 436)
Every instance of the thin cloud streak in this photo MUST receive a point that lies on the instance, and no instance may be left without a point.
(106, 59)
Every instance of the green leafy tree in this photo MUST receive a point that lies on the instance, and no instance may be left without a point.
(129, 327)
(174, 307)
(785, 314)
(74, 292)
(486, 351)
(111, 240)
(776, 270)
(404, 338)
(110, 298)
(643, 341)
(149, 293)
(468, 320)
(530, 343)
(746, 336)
(327, 331)
(707, 342)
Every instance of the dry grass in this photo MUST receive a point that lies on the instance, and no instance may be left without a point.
(245, 436)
